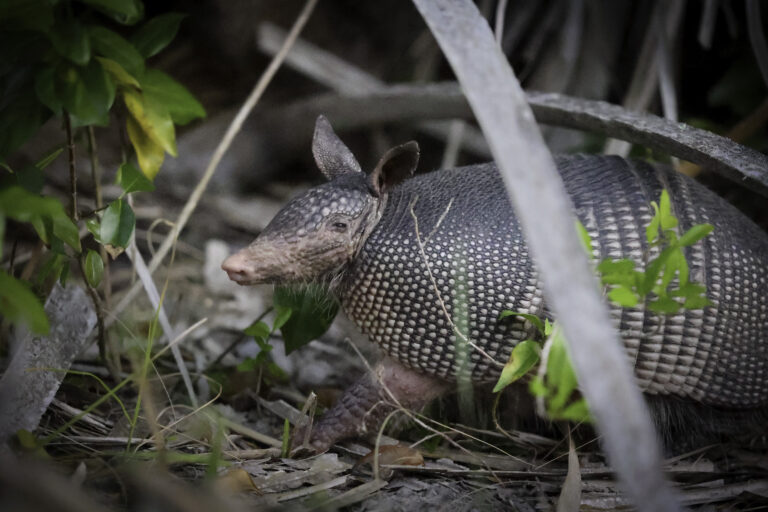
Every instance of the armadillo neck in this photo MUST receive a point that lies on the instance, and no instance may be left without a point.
(448, 255)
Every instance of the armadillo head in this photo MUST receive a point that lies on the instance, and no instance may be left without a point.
(316, 235)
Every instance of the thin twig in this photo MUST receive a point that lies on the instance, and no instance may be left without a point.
(221, 149)
(72, 173)
(97, 195)
(447, 315)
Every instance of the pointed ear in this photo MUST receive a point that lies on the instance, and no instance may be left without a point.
(332, 156)
(397, 165)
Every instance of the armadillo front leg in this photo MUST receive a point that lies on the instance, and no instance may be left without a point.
(364, 406)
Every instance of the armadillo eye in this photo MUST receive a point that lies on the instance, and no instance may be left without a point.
(339, 226)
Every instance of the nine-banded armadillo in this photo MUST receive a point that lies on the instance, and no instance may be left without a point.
(413, 258)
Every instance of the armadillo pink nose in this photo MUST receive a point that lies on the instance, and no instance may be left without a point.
(236, 267)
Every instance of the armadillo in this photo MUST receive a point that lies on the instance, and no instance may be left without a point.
(423, 263)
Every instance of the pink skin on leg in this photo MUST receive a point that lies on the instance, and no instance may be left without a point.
(365, 405)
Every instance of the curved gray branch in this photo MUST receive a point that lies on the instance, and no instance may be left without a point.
(543, 208)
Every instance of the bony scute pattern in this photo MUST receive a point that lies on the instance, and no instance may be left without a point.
(469, 256)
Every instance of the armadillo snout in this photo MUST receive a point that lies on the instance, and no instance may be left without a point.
(239, 269)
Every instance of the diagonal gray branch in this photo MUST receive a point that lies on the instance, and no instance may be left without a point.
(398, 103)
(544, 209)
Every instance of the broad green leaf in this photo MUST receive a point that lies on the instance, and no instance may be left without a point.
(282, 316)
(157, 33)
(312, 314)
(27, 14)
(31, 178)
(66, 230)
(114, 47)
(524, 356)
(149, 154)
(126, 12)
(696, 302)
(46, 214)
(118, 74)
(537, 387)
(667, 219)
(19, 304)
(45, 88)
(258, 330)
(94, 268)
(87, 93)
(623, 266)
(652, 229)
(695, 234)
(586, 240)
(132, 180)
(95, 228)
(689, 290)
(560, 374)
(166, 91)
(623, 296)
(536, 321)
(664, 305)
(117, 223)
(153, 117)
(70, 39)
(577, 412)
(20, 117)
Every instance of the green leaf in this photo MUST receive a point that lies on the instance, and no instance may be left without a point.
(652, 229)
(157, 33)
(667, 219)
(20, 117)
(66, 230)
(153, 117)
(87, 93)
(27, 14)
(664, 305)
(18, 304)
(560, 374)
(119, 75)
(31, 178)
(623, 296)
(49, 158)
(132, 180)
(114, 47)
(537, 387)
(2, 232)
(94, 268)
(312, 314)
(95, 228)
(45, 88)
(536, 321)
(117, 223)
(149, 154)
(586, 240)
(70, 39)
(696, 302)
(164, 90)
(524, 356)
(577, 412)
(46, 214)
(282, 316)
(695, 234)
(258, 330)
(126, 12)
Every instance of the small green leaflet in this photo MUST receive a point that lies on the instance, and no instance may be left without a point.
(94, 268)
(19, 304)
(524, 356)
(157, 33)
(258, 330)
(312, 314)
(133, 180)
(117, 224)
(536, 321)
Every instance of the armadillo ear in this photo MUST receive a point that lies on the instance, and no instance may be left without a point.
(332, 156)
(397, 165)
